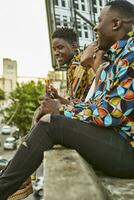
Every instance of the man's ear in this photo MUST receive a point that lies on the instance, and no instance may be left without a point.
(116, 23)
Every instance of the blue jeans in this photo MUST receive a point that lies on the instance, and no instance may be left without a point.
(103, 148)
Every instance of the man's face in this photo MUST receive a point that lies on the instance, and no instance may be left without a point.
(63, 51)
(104, 29)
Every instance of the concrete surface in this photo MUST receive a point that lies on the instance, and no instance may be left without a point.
(67, 176)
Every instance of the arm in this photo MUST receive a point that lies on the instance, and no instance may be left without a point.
(112, 107)
(92, 57)
(48, 105)
(53, 93)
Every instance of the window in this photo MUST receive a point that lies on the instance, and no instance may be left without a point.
(56, 2)
(82, 1)
(83, 7)
(94, 2)
(65, 23)
(85, 26)
(10, 67)
(86, 34)
(57, 20)
(76, 5)
(100, 1)
(63, 3)
(94, 10)
(79, 33)
(78, 25)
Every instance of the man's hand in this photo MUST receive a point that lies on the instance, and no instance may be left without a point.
(92, 57)
(48, 105)
(87, 57)
(52, 92)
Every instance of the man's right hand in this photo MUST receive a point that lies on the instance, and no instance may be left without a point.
(48, 105)
(92, 57)
(52, 92)
(87, 57)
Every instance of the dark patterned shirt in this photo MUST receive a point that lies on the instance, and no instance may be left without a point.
(77, 79)
(112, 104)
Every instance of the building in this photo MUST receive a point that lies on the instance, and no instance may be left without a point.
(78, 14)
(9, 78)
(58, 80)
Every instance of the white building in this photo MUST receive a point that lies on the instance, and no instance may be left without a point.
(79, 14)
(9, 78)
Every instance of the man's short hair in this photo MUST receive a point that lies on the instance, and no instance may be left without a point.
(125, 8)
(68, 34)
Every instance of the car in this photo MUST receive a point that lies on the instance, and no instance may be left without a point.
(10, 143)
(3, 162)
(38, 186)
(6, 130)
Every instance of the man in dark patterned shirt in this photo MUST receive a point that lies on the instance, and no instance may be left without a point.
(66, 51)
(101, 130)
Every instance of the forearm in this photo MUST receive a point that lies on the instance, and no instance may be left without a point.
(63, 100)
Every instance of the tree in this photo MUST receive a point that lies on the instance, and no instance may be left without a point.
(2, 94)
(24, 103)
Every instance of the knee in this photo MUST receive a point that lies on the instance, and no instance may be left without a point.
(46, 118)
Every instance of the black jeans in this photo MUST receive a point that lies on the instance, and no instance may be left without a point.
(102, 147)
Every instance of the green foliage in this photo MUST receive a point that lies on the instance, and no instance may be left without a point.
(24, 103)
(2, 94)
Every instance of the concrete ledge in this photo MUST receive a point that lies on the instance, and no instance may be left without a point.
(116, 188)
(68, 176)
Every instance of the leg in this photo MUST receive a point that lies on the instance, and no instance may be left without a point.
(90, 141)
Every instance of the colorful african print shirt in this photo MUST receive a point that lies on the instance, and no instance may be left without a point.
(112, 104)
(77, 79)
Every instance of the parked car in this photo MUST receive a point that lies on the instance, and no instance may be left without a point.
(10, 143)
(6, 130)
(3, 162)
(38, 186)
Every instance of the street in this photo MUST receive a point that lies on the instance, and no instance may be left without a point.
(8, 154)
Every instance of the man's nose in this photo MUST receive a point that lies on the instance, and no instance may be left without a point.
(56, 52)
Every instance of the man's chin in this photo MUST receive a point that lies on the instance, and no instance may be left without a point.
(61, 64)
(102, 46)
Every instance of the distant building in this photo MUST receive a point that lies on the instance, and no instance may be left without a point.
(25, 79)
(58, 80)
(9, 78)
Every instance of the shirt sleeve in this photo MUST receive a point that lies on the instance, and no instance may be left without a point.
(113, 102)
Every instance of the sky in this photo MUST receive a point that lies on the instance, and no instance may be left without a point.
(24, 36)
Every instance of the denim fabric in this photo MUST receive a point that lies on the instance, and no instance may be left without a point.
(101, 147)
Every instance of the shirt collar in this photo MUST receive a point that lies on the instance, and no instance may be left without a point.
(119, 45)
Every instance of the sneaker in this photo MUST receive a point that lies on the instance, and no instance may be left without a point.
(24, 191)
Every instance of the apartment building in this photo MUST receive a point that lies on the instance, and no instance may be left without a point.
(78, 14)
(9, 78)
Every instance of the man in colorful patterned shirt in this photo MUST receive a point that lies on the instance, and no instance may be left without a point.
(106, 137)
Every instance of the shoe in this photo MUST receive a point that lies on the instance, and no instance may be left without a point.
(24, 191)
